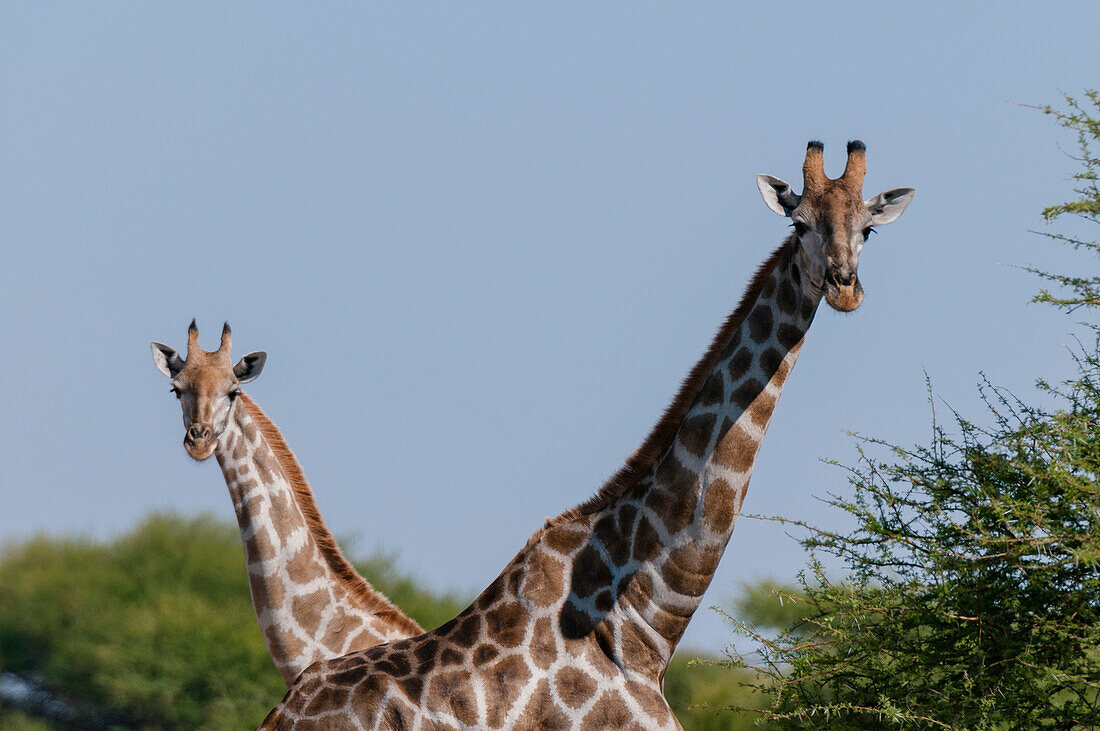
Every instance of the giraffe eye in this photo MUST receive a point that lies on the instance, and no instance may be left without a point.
(800, 228)
(867, 232)
(233, 395)
(175, 391)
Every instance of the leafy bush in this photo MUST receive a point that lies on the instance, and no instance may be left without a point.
(156, 628)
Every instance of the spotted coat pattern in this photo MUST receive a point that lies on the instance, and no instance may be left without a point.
(310, 602)
(578, 629)
(306, 609)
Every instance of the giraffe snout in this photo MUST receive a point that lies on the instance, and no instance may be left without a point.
(198, 432)
(840, 276)
(199, 441)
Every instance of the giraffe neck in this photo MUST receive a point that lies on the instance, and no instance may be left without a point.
(310, 602)
(578, 629)
(659, 528)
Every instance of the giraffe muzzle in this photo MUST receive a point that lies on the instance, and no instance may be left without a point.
(199, 441)
(843, 291)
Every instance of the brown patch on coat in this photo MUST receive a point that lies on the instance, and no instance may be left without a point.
(613, 539)
(736, 450)
(590, 573)
(484, 654)
(542, 711)
(647, 543)
(761, 320)
(425, 655)
(503, 683)
(712, 391)
(396, 664)
(283, 641)
(544, 583)
(507, 624)
(269, 594)
(327, 699)
(467, 631)
(413, 687)
(610, 711)
(761, 410)
(740, 364)
(366, 696)
(302, 568)
(719, 505)
(542, 648)
(787, 300)
(451, 692)
(696, 432)
(357, 587)
(746, 392)
(660, 438)
(575, 623)
(789, 335)
(638, 652)
(563, 540)
(669, 623)
(651, 701)
(638, 591)
(574, 686)
(689, 569)
(770, 360)
(307, 607)
(676, 509)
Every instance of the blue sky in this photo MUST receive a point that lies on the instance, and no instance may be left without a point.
(482, 245)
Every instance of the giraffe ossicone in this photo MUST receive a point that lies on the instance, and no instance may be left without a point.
(310, 602)
(578, 629)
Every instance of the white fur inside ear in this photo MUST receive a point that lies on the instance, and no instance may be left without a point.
(887, 206)
(166, 359)
(777, 194)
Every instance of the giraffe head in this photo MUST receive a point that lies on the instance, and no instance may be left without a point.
(832, 221)
(207, 385)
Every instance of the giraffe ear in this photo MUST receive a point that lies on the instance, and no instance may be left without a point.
(887, 206)
(250, 366)
(778, 194)
(167, 360)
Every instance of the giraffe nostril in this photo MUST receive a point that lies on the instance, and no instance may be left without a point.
(196, 432)
(840, 278)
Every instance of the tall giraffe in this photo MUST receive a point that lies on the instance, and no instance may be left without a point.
(310, 602)
(579, 628)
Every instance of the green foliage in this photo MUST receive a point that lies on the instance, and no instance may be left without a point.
(768, 605)
(703, 691)
(972, 594)
(16, 721)
(156, 627)
(1083, 119)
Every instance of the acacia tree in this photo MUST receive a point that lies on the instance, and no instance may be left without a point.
(972, 593)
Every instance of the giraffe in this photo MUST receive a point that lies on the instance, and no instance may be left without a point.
(310, 602)
(578, 629)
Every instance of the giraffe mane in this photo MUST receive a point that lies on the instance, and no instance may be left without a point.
(642, 461)
(360, 589)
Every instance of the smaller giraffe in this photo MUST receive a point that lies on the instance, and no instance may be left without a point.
(310, 602)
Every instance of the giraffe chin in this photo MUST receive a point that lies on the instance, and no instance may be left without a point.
(844, 299)
(199, 451)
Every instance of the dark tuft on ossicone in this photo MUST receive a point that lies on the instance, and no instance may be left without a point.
(856, 145)
(193, 326)
(817, 145)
